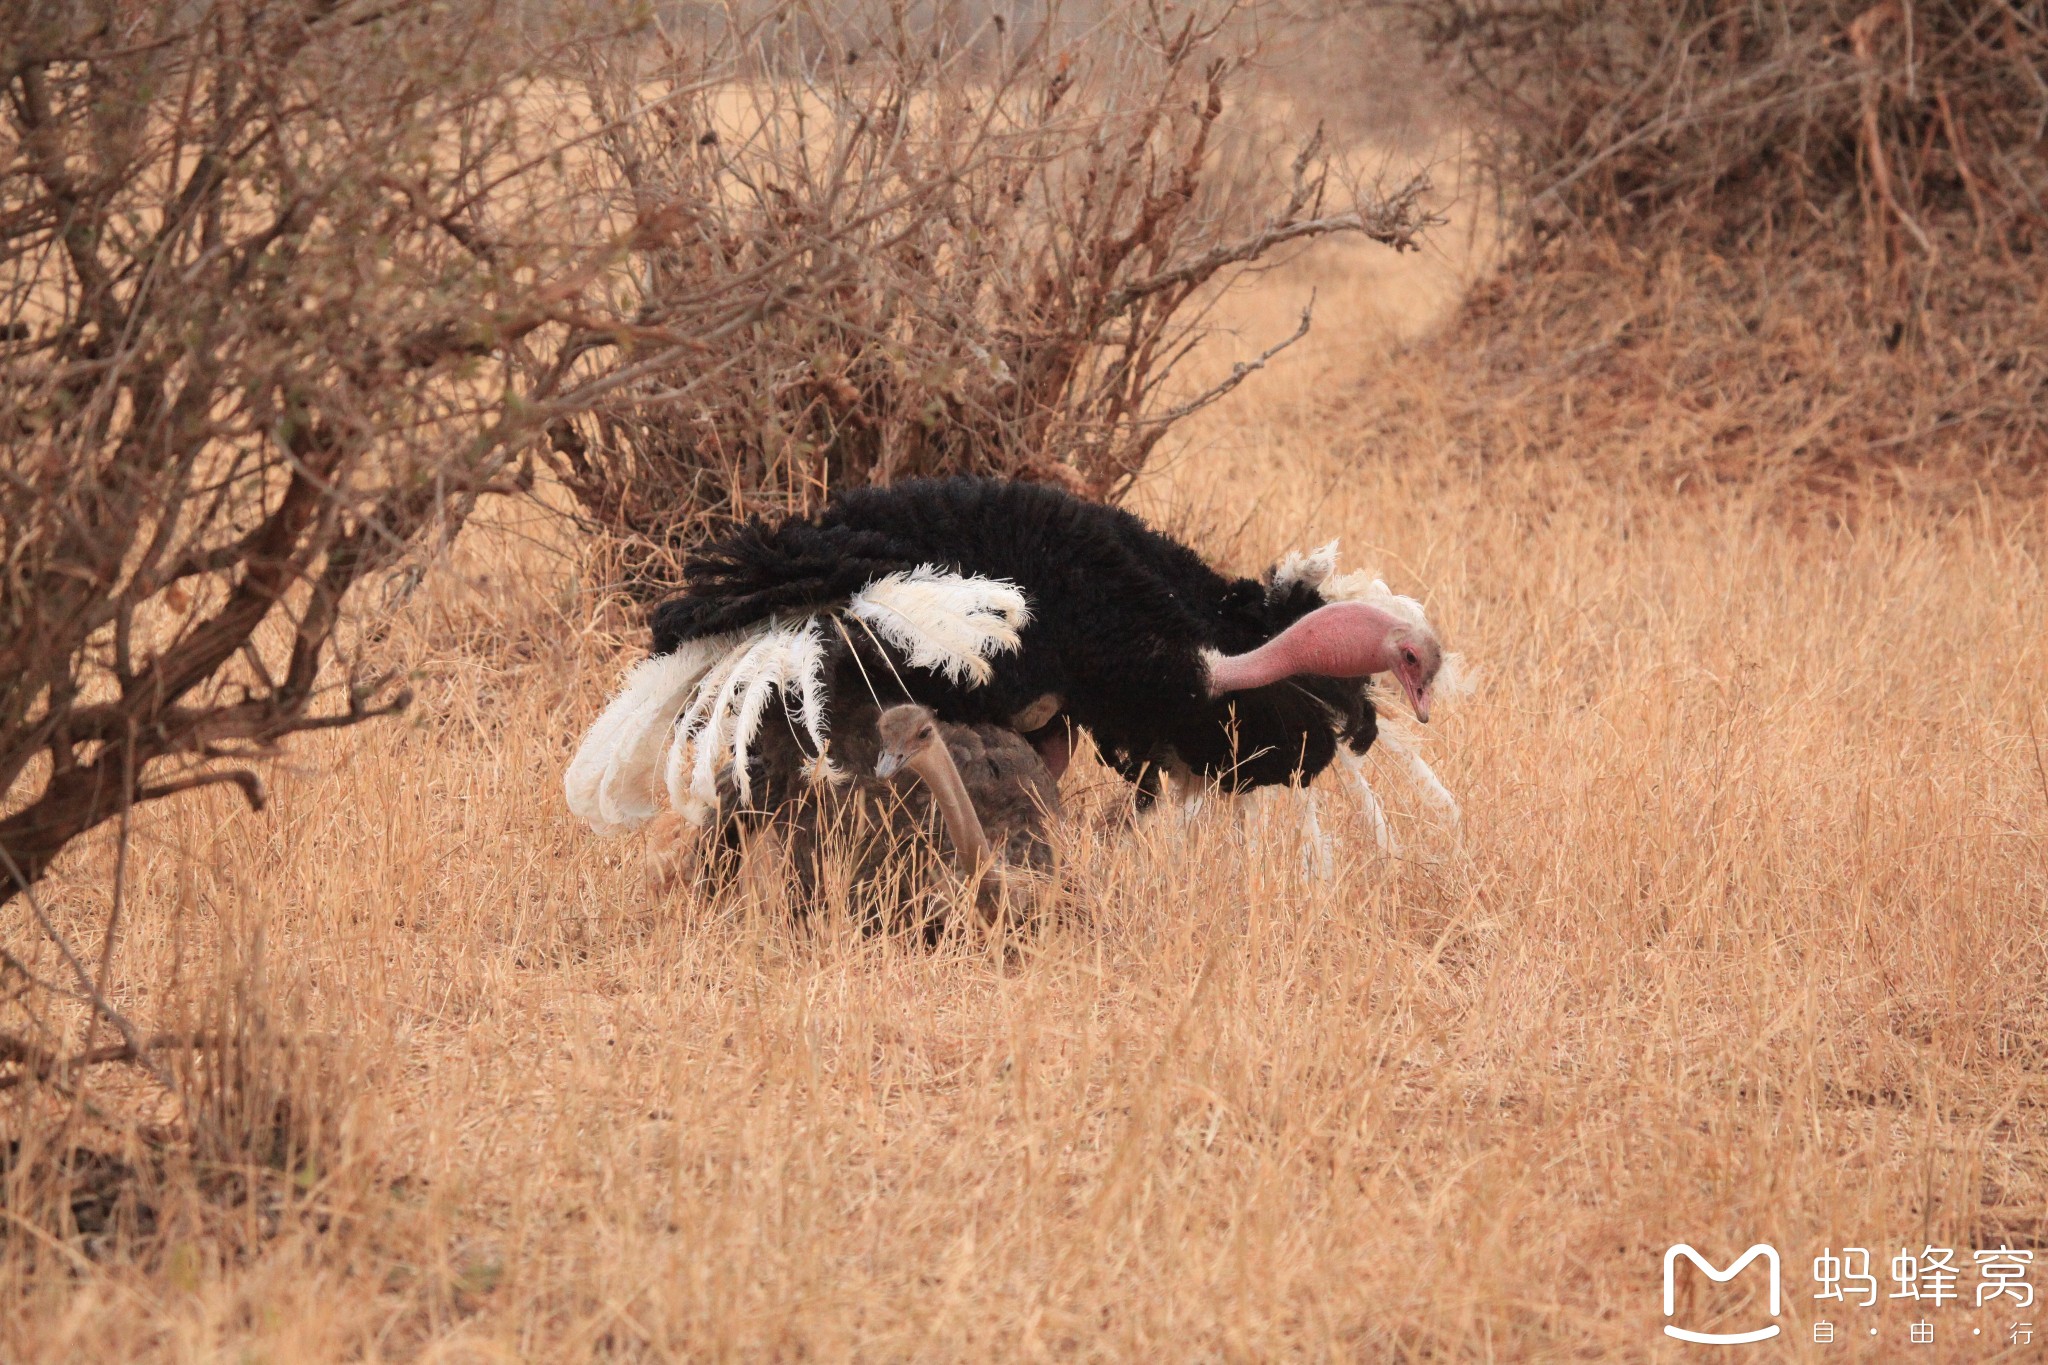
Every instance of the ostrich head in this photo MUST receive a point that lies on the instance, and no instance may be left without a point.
(908, 733)
(910, 739)
(1340, 640)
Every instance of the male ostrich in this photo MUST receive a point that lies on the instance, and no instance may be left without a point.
(1170, 665)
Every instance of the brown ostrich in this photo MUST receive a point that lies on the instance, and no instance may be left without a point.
(901, 781)
(993, 792)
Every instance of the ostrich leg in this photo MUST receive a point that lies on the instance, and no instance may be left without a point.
(1423, 776)
(1354, 767)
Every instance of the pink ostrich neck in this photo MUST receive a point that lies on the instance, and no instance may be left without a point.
(1341, 640)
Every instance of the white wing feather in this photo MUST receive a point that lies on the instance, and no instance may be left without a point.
(623, 743)
(787, 662)
(626, 790)
(714, 732)
(1360, 586)
(807, 671)
(1312, 567)
(944, 622)
(680, 747)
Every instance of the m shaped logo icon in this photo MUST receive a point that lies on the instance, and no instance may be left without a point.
(1768, 1253)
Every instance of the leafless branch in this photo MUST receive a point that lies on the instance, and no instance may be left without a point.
(995, 242)
(42, 1065)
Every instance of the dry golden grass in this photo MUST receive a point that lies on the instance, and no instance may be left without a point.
(1741, 940)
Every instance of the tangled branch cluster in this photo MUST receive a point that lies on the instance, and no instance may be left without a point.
(994, 246)
(287, 286)
(1761, 117)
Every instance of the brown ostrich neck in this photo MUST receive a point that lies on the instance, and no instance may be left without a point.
(934, 764)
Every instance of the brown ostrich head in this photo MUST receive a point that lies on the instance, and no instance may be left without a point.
(908, 733)
(910, 739)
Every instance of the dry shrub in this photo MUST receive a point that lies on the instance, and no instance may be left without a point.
(1758, 117)
(1005, 231)
(1789, 243)
(263, 268)
(1696, 371)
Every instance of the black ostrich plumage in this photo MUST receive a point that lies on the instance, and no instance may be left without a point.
(1120, 617)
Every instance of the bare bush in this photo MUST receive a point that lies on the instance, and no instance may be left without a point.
(1005, 233)
(263, 267)
(1747, 117)
(1816, 220)
(1696, 373)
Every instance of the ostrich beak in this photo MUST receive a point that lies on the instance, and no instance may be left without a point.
(1418, 697)
(888, 763)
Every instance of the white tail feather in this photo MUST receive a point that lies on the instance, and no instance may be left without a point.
(794, 659)
(807, 671)
(748, 722)
(627, 790)
(624, 743)
(680, 745)
(714, 733)
(944, 622)
(709, 689)
(681, 798)
(722, 722)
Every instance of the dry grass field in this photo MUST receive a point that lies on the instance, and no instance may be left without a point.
(1741, 939)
